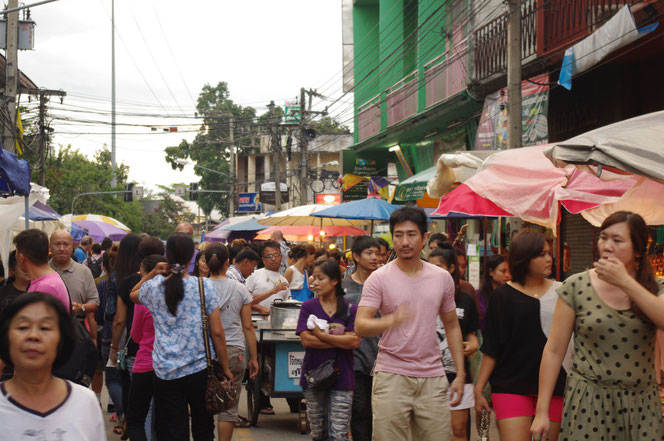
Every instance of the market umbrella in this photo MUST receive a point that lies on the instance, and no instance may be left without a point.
(368, 209)
(414, 187)
(523, 182)
(635, 145)
(224, 232)
(303, 231)
(100, 230)
(464, 201)
(303, 215)
(101, 218)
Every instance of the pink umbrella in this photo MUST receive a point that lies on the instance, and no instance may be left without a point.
(464, 201)
(523, 182)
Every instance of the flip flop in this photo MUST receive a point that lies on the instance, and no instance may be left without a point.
(118, 429)
(113, 418)
(267, 411)
(242, 423)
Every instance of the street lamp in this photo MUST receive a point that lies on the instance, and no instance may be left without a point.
(185, 162)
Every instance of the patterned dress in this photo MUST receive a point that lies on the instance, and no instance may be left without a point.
(611, 393)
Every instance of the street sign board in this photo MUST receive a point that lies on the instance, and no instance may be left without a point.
(248, 203)
(180, 190)
(291, 113)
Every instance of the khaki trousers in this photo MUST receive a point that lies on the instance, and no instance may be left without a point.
(410, 408)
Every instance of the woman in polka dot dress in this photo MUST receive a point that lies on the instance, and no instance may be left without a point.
(614, 311)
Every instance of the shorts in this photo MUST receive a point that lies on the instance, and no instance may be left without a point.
(513, 405)
(468, 400)
(237, 365)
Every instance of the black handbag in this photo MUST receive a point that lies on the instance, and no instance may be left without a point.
(219, 393)
(324, 376)
(81, 366)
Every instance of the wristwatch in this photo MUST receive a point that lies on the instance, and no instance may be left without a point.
(83, 308)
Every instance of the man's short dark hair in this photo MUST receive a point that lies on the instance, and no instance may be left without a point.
(270, 244)
(67, 337)
(33, 244)
(362, 243)
(409, 213)
(96, 248)
(247, 254)
(149, 246)
(383, 243)
(438, 237)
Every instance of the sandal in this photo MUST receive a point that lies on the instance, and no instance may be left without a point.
(267, 411)
(242, 423)
(113, 418)
(118, 429)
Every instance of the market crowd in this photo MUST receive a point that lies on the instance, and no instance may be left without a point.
(398, 346)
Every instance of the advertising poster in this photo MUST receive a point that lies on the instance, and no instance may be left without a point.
(248, 203)
(492, 130)
(362, 166)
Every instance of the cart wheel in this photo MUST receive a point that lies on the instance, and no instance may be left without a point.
(252, 401)
(304, 423)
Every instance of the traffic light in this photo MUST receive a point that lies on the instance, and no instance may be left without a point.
(129, 192)
(193, 191)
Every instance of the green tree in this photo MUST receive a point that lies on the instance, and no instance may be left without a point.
(162, 216)
(211, 147)
(71, 173)
(329, 126)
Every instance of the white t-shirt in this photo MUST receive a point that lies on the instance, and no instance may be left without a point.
(78, 418)
(263, 280)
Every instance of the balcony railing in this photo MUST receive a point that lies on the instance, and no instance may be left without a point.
(491, 41)
(445, 75)
(547, 26)
(368, 118)
(564, 22)
(401, 99)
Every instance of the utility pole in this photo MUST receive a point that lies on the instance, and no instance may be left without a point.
(114, 179)
(276, 156)
(44, 138)
(231, 202)
(11, 77)
(514, 74)
(304, 155)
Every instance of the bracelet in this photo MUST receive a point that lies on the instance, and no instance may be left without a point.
(115, 347)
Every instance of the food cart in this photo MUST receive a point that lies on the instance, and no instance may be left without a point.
(280, 355)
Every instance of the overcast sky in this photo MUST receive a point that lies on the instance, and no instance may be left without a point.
(165, 52)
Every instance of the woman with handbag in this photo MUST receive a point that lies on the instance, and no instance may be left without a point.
(238, 327)
(179, 355)
(327, 378)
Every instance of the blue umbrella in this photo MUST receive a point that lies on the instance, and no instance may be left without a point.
(364, 209)
(248, 225)
(372, 209)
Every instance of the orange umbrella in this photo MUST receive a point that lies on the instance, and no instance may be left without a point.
(300, 233)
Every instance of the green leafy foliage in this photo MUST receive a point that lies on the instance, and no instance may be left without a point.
(70, 173)
(161, 217)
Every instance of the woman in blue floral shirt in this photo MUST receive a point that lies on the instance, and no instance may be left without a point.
(179, 352)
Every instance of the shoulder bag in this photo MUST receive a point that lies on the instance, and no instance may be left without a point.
(81, 366)
(219, 392)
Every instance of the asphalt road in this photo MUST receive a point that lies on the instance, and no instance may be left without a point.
(283, 426)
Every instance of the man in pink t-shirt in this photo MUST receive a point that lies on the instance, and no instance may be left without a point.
(32, 255)
(409, 387)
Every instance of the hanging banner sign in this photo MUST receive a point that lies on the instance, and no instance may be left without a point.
(492, 130)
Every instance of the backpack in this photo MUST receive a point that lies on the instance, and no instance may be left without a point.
(95, 266)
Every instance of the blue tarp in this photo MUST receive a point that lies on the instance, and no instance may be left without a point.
(14, 174)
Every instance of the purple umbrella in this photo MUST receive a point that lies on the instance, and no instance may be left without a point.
(100, 230)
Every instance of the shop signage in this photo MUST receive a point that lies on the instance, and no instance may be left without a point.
(327, 198)
(295, 364)
(248, 203)
(492, 131)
